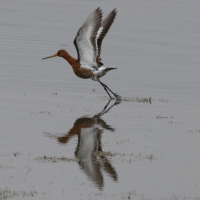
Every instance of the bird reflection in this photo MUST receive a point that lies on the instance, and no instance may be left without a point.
(92, 160)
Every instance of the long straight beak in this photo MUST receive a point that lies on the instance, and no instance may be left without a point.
(50, 56)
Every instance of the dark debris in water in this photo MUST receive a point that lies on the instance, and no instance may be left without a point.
(164, 100)
(6, 167)
(163, 117)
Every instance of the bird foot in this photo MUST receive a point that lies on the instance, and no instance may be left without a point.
(118, 97)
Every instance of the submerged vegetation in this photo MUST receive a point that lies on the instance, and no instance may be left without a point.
(7, 193)
(55, 159)
(137, 99)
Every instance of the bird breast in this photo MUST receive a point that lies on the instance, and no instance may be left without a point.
(83, 73)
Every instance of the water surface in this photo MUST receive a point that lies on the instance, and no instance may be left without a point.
(58, 142)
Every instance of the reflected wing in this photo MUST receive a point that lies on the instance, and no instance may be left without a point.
(85, 41)
(105, 26)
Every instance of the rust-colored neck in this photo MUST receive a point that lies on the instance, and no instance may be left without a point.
(72, 61)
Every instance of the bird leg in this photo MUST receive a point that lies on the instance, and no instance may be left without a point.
(106, 87)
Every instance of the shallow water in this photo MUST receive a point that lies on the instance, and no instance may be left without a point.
(58, 142)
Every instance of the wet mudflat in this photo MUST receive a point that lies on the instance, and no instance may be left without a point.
(61, 137)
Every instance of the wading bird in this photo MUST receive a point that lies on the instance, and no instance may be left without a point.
(88, 45)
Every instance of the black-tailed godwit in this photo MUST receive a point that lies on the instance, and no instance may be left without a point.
(88, 45)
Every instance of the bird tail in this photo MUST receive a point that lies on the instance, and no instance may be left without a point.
(108, 69)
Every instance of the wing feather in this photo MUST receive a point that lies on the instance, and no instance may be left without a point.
(105, 26)
(85, 40)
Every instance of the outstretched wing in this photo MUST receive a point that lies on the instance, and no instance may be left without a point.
(85, 41)
(105, 26)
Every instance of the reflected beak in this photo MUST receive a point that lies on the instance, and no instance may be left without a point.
(50, 56)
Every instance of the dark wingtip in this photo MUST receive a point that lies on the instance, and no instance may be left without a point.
(99, 10)
(114, 11)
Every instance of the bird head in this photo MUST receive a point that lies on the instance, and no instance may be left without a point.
(60, 53)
